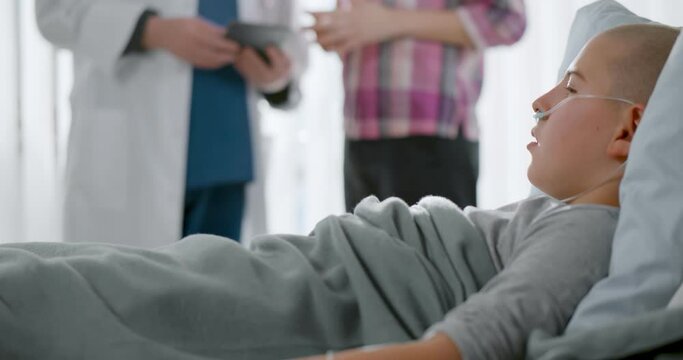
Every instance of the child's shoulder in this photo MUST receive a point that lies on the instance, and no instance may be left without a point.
(546, 205)
(545, 212)
(542, 207)
(541, 212)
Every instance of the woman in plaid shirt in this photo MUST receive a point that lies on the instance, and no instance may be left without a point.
(413, 71)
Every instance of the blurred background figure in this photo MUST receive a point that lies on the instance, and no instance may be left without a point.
(412, 75)
(164, 106)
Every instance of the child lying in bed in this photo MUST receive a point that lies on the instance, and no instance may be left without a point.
(469, 284)
(586, 125)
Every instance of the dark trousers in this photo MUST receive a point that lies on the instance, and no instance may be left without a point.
(216, 210)
(411, 168)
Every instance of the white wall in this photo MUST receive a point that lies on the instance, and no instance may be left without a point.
(8, 125)
(34, 118)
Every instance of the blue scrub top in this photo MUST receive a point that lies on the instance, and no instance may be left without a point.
(219, 149)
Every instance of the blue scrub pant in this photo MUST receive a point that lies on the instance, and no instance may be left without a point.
(216, 210)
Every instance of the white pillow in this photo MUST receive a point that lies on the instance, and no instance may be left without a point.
(591, 20)
(647, 255)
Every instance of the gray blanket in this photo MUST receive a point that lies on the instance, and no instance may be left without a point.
(383, 275)
(644, 337)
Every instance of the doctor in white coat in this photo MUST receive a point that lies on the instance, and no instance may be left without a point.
(131, 102)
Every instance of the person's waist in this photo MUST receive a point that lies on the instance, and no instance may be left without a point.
(374, 129)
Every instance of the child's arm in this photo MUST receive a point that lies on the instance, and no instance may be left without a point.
(437, 347)
(551, 261)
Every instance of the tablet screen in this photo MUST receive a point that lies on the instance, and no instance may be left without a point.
(258, 36)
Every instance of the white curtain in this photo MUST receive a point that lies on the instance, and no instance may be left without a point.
(35, 80)
(305, 145)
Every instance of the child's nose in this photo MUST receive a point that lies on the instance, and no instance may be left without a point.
(536, 105)
(546, 101)
(541, 103)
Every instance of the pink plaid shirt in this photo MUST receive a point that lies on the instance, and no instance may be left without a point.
(408, 87)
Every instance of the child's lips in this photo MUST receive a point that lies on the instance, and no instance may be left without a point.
(531, 145)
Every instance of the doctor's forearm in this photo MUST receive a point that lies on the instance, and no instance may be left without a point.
(192, 39)
(136, 43)
(152, 37)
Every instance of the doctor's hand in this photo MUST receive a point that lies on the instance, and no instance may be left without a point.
(356, 25)
(271, 76)
(197, 41)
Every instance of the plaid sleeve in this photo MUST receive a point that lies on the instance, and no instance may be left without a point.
(493, 22)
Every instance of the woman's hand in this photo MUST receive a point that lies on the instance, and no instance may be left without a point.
(346, 29)
(270, 76)
(197, 41)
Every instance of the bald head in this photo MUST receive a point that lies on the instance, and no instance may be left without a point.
(640, 54)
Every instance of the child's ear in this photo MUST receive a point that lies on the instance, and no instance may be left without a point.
(620, 145)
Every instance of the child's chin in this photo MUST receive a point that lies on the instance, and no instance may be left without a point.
(534, 180)
(530, 175)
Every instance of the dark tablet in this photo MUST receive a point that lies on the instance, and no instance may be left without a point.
(258, 36)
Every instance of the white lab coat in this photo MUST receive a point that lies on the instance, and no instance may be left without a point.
(125, 174)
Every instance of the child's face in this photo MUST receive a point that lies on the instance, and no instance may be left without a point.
(570, 152)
